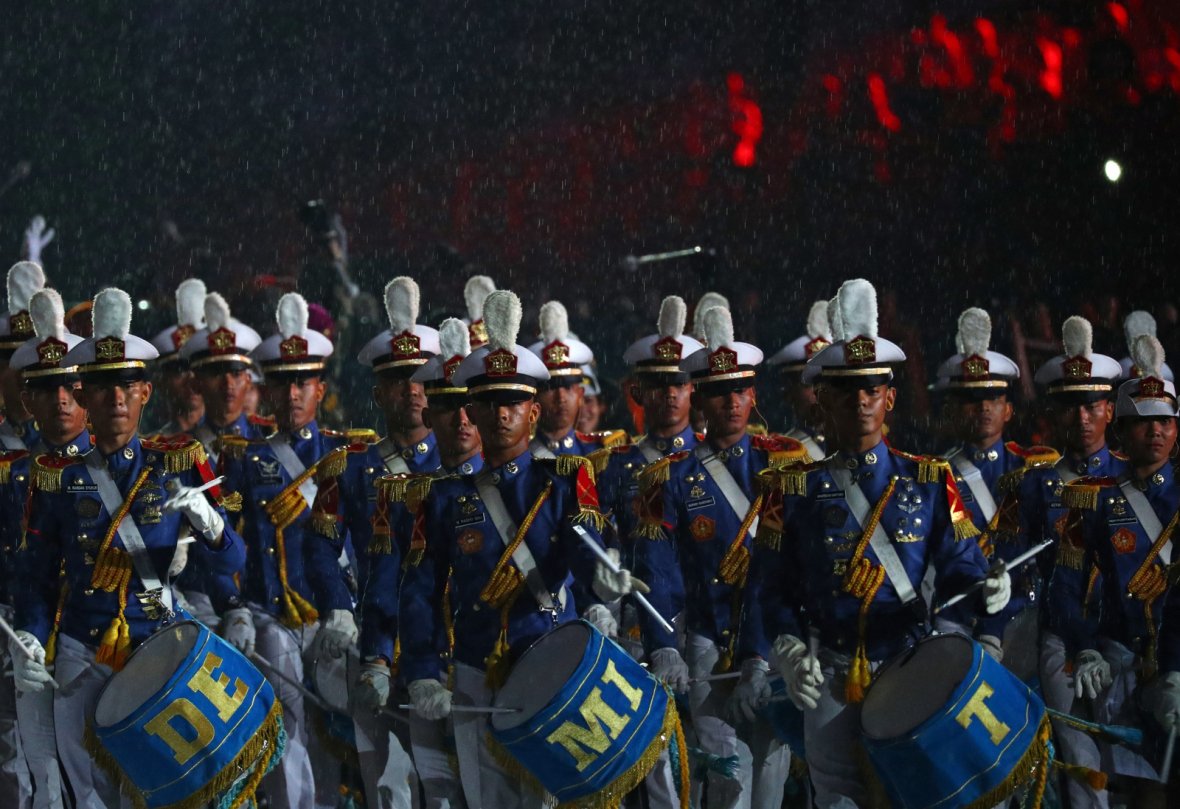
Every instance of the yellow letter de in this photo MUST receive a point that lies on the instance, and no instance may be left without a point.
(183, 749)
(976, 708)
(214, 690)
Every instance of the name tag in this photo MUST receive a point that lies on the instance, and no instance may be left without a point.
(474, 519)
(703, 502)
(75, 486)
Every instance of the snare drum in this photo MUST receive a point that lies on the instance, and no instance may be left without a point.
(187, 718)
(946, 726)
(592, 722)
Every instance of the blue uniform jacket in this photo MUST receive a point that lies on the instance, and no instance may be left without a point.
(275, 577)
(577, 443)
(454, 534)
(393, 524)
(67, 523)
(692, 548)
(808, 538)
(993, 463)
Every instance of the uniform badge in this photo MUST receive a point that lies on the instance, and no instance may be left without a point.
(1119, 508)
(696, 492)
(87, 508)
(908, 498)
(149, 516)
(834, 516)
(268, 471)
(702, 528)
(470, 541)
(1124, 541)
(150, 496)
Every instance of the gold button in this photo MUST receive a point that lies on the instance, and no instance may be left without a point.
(88, 591)
(262, 502)
(274, 600)
(128, 453)
(20, 478)
(94, 632)
(271, 551)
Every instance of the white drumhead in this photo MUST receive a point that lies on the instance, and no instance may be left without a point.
(148, 668)
(915, 685)
(540, 673)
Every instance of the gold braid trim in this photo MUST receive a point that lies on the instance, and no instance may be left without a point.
(1010, 481)
(788, 481)
(570, 464)
(361, 435)
(45, 478)
(5, 470)
(1148, 584)
(614, 438)
(735, 564)
(417, 488)
(600, 459)
(1080, 495)
(231, 502)
(656, 473)
(325, 525)
(932, 470)
(1069, 556)
(234, 446)
(863, 580)
(113, 566)
(393, 487)
(282, 511)
(505, 582)
(51, 642)
(258, 756)
(1033, 768)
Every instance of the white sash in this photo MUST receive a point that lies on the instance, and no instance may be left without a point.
(809, 443)
(208, 439)
(975, 482)
(730, 489)
(393, 460)
(1147, 518)
(8, 437)
(647, 449)
(858, 504)
(539, 450)
(291, 464)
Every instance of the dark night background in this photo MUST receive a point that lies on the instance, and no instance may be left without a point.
(950, 152)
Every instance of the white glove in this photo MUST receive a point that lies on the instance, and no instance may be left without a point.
(1091, 673)
(372, 685)
(609, 585)
(604, 622)
(36, 237)
(1167, 706)
(997, 590)
(337, 633)
(752, 691)
(800, 669)
(31, 675)
(993, 646)
(431, 699)
(668, 666)
(237, 627)
(197, 509)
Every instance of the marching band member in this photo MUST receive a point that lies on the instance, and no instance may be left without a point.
(1135, 325)
(560, 395)
(844, 544)
(696, 520)
(791, 359)
(110, 519)
(272, 611)
(492, 556)
(18, 429)
(344, 510)
(181, 398)
(49, 396)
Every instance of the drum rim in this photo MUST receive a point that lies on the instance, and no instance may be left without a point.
(166, 687)
(973, 664)
(496, 701)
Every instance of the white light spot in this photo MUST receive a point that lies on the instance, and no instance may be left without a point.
(144, 305)
(1112, 170)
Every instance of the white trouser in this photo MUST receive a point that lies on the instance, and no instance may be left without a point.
(386, 769)
(200, 607)
(290, 785)
(1073, 746)
(1117, 705)
(80, 679)
(435, 763)
(763, 762)
(485, 783)
(34, 714)
(15, 785)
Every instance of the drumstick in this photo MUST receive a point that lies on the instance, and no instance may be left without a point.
(307, 693)
(204, 487)
(1168, 751)
(604, 557)
(11, 633)
(1001, 566)
(712, 678)
(467, 709)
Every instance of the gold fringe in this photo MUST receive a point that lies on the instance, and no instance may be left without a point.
(932, 470)
(380, 543)
(1080, 495)
(265, 739)
(591, 516)
(496, 663)
(325, 525)
(612, 794)
(393, 487)
(45, 478)
(1010, 481)
(769, 538)
(51, 641)
(600, 459)
(5, 470)
(615, 438)
(649, 530)
(570, 465)
(178, 457)
(417, 489)
(965, 529)
(788, 481)
(361, 435)
(656, 473)
(234, 446)
(231, 502)
(682, 752)
(782, 458)
(1033, 766)
(332, 465)
(112, 568)
(1069, 556)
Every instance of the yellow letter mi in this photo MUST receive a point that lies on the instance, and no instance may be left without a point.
(976, 708)
(586, 743)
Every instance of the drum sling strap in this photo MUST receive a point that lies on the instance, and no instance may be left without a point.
(208, 439)
(975, 482)
(1150, 582)
(110, 575)
(501, 588)
(735, 564)
(8, 437)
(282, 511)
(395, 464)
(539, 450)
(649, 452)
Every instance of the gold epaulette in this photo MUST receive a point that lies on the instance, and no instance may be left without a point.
(234, 446)
(788, 480)
(600, 458)
(930, 468)
(329, 433)
(613, 438)
(567, 465)
(6, 461)
(361, 435)
(332, 465)
(1083, 492)
(1009, 482)
(658, 472)
(180, 454)
(392, 488)
(417, 490)
(1036, 454)
(262, 421)
(756, 429)
(782, 450)
(46, 471)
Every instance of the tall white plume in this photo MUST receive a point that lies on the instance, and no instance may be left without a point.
(24, 278)
(555, 322)
(501, 316)
(453, 338)
(291, 315)
(817, 321)
(1148, 355)
(401, 303)
(718, 327)
(706, 302)
(216, 312)
(1077, 335)
(48, 314)
(1138, 323)
(673, 314)
(190, 303)
(475, 292)
(975, 332)
(858, 309)
(835, 322)
(112, 313)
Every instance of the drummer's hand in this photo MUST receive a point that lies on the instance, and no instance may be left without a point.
(997, 591)
(431, 699)
(36, 237)
(337, 633)
(1091, 673)
(372, 685)
(800, 669)
(609, 585)
(31, 675)
(604, 622)
(752, 691)
(668, 666)
(237, 627)
(200, 513)
(1167, 706)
